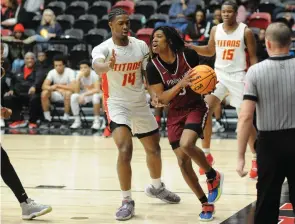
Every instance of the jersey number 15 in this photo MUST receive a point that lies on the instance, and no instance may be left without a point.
(228, 54)
(129, 78)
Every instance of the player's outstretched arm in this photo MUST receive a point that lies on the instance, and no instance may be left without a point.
(207, 50)
(100, 66)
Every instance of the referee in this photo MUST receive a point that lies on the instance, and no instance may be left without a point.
(270, 86)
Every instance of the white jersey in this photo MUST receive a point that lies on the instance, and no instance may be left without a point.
(64, 79)
(230, 49)
(88, 82)
(125, 81)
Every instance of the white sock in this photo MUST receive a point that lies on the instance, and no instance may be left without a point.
(206, 151)
(96, 117)
(157, 183)
(47, 115)
(66, 117)
(126, 195)
(77, 118)
(254, 156)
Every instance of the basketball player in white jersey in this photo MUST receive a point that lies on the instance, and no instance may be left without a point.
(123, 58)
(228, 41)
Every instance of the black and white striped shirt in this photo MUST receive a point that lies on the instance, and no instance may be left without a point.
(271, 83)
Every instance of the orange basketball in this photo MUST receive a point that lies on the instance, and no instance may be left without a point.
(204, 79)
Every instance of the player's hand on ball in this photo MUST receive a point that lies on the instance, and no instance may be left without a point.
(5, 112)
(186, 80)
(112, 61)
(240, 167)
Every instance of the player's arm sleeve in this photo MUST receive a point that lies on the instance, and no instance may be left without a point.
(153, 75)
(191, 57)
(72, 75)
(250, 89)
(145, 50)
(99, 53)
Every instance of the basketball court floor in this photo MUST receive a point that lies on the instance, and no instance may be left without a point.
(77, 176)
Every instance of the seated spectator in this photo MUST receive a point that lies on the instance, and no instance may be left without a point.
(16, 47)
(21, 93)
(195, 30)
(49, 28)
(10, 14)
(86, 90)
(181, 9)
(261, 49)
(57, 87)
(215, 21)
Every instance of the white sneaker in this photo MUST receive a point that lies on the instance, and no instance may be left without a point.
(217, 127)
(76, 124)
(2, 122)
(31, 209)
(96, 125)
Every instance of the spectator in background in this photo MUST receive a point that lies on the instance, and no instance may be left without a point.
(9, 16)
(86, 90)
(261, 49)
(57, 87)
(49, 28)
(16, 47)
(181, 9)
(21, 91)
(195, 30)
(215, 21)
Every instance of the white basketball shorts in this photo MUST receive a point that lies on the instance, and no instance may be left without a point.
(231, 84)
(139, 118)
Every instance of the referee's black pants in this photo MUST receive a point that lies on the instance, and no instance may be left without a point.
(275, 161)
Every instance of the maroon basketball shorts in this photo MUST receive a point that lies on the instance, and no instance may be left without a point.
(180, 119)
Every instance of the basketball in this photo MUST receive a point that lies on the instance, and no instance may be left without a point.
(204, 79)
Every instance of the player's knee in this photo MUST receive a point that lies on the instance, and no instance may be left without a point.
(68, 95)
(74, 97)
(183, 161)
(154, 150)
(125, 154)
(44, 94)
(96, 98)
(187, 147)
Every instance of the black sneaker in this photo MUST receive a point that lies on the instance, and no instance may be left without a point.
(46, 124)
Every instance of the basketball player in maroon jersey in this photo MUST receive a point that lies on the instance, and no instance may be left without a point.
(228, 41)
(168, 75)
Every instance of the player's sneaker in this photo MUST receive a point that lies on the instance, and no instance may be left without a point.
(207, 212)
(210, 160)
(215, 187)
(162, 193)
(31, 209)
(218, 127)
(126, 211)
(96, 125)
(253, 172)
(77, 124)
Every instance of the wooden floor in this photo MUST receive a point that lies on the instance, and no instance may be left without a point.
(86, 167)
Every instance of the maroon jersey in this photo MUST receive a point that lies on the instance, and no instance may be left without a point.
(187, 98)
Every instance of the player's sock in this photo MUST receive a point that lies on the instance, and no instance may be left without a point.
(203, 199)
(211, 174)
(254, 156)
(157, 183)
(66, 117)
(127, 195)
(47, 115)
(206, 151)
(77, 118)
(96, 117)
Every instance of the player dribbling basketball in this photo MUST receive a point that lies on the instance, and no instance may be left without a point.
(229, 41)
(169, 78)
(123, 59)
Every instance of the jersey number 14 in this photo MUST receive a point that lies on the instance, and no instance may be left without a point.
(228, 54)
(129, 78)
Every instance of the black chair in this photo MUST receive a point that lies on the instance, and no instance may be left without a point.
(77, 8)
(266, 7)
(78, 53)
(136, 22)
(164, 7)
(55, 49)
(66, 21)
(147, 8)
(86, 23)
(35, 23)
(100, 8)
(57, 7)
(75, 33)
(104, 23)
(156, 18)
(95, 36)
(29, 32)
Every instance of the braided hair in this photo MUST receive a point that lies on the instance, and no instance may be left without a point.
(116, 12)
(173, 38)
